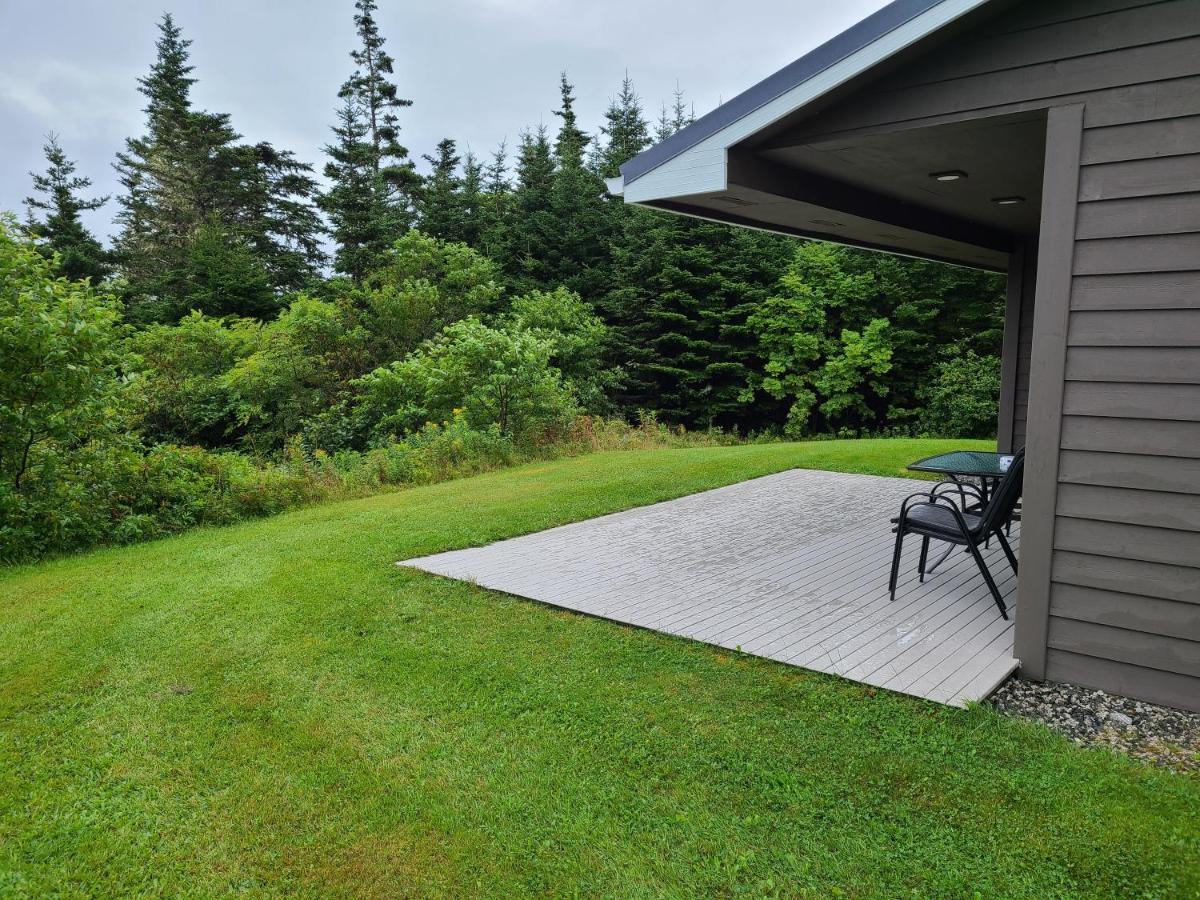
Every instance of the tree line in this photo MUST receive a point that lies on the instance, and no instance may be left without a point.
(249, 309)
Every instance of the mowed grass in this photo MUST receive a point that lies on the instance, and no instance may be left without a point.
(275, 707)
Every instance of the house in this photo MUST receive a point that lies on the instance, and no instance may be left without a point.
(1057, 141)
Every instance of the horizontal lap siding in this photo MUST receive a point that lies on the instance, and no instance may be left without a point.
(1125, 584)
(1125, 570)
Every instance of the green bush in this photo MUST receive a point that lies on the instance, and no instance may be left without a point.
(963, 397)
(180, 391)
(496, 377)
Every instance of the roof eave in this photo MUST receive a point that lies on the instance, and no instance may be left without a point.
(851, 54)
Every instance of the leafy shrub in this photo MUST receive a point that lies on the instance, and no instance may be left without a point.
(425, 285)
(494, 376)
(300, 368)
(577, 339)
(963, 396)
(180, 391)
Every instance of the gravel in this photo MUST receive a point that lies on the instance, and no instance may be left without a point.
(1157, 734)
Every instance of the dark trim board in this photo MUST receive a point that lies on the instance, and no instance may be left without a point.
(1056, 250)
(1008, 353)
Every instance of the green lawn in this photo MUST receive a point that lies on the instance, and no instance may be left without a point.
(275, 707)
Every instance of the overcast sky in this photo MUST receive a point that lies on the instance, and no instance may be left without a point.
(477, 70)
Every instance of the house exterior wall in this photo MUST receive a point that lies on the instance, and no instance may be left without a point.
(1110, 582)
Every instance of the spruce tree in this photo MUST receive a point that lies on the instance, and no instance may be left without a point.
(682, 291)
(626, 130)
(672, 118)
(441, 207)
(371, 201)
(531, 225)
(159, 209)
(473, 200)
(578, 251)
(360, 222)
(188, 180)
(379, 98)
(58, 229)
(495, 238)
(559, 229)
(571, 141)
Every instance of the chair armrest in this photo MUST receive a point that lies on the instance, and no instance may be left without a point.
(963, 490)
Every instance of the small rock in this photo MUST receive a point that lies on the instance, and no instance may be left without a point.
(1161, 735)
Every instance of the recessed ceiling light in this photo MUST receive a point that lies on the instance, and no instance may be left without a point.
(1008, 201)
(952, 175)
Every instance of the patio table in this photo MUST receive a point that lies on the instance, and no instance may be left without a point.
(985, 466)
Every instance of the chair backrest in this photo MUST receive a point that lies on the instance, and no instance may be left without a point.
(1004, 499)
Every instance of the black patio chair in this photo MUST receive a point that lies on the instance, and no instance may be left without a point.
(935, 516)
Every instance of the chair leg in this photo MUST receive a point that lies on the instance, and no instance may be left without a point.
(1012, 557)
(924, 557)
(991, 582)
(896, 560)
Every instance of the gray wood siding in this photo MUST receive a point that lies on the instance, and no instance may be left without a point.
(1124, 573)
(1133, 383)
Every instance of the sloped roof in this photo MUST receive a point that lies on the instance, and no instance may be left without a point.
(856, 41)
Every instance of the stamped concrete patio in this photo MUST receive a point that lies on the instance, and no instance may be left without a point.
(792, 567)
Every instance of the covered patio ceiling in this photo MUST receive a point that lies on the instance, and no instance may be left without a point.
(790, 155)
(961, 192)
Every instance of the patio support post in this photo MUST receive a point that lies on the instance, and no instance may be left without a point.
(1056, 254)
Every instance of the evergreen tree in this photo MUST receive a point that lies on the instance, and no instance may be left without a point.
(473, 200)
(571, 141)
(379, 98)
(279, 216)
(579, 250)
(682, 292)
(189, 177)
(677, 116)
(684, 289)
(360, 222)
(626, 130)
(441, 207)
(495, 239)
(374, 183)
(531, 225)
(558, 228)
(59, 230)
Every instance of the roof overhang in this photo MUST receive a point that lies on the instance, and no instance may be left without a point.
(705, 169)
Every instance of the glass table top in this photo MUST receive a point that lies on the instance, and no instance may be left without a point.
(970, 463)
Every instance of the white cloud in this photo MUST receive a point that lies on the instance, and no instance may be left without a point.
(74, 101)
